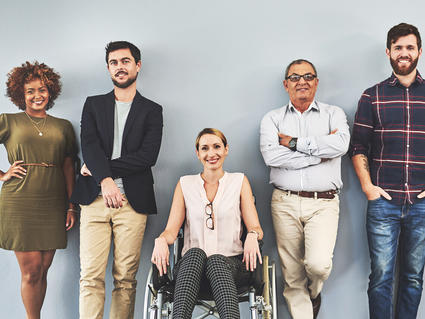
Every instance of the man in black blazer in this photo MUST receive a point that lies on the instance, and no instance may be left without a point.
(121, 135)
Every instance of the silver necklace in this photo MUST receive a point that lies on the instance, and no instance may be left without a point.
(35, 124)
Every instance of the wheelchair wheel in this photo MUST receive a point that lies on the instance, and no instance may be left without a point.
(269, 291)
(149, 297)
(154, 305)
(273, 290)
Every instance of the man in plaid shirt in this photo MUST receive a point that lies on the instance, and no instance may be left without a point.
(388, 154)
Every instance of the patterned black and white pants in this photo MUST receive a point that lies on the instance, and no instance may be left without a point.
(220, 271)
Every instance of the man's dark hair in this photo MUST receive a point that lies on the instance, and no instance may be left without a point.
(401, 30)
(117, 45)
(299, 61)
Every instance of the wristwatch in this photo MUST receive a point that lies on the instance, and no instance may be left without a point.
(293, 144)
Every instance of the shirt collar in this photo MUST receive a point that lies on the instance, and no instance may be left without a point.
(203, 192)
(314, 105)
(202, 182)
(393, 80)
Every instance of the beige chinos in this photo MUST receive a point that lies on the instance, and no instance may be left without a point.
(306, 230)
(100, 226)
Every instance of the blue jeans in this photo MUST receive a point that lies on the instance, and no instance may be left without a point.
(389, 226)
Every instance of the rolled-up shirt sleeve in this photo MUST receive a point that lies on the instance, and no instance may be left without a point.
(276, 155)
(363, 127)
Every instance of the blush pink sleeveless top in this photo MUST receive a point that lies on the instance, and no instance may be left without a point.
(225, 238)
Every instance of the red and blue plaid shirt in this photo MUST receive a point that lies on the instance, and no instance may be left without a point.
(389, 129)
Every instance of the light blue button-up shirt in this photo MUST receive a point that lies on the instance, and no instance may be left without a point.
(305, 169)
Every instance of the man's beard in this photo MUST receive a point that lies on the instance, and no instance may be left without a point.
(404, 71)
(126, 84)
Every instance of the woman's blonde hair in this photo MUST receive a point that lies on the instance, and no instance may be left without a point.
(212, 131)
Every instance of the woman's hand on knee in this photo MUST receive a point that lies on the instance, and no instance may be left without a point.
(251, 251)
(160, 255)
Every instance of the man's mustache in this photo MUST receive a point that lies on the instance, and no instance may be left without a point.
(404, 58)
(121, 72)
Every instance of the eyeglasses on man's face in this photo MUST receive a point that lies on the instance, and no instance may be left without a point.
(210, 213)
(296, 77)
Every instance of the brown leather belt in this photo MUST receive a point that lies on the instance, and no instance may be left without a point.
(38, 164)
(328, 194)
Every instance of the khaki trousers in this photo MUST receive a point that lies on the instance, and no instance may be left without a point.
(306, 231)
(99, 227)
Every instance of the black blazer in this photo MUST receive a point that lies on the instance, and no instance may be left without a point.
(140, 147)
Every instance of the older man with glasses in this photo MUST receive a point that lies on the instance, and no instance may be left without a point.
(302, 143)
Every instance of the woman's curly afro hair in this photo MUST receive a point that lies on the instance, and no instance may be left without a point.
(27, 72)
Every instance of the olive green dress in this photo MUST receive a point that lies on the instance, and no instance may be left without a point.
(33, 209)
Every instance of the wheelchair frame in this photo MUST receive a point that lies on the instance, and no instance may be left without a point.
(158, 305)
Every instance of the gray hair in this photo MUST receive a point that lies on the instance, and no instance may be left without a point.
(299, 61)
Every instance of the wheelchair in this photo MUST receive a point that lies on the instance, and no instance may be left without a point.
(260, 292)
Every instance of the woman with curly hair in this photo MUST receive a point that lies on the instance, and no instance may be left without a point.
(34, 208)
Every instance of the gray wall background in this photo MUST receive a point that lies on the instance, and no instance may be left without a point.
(210, 64)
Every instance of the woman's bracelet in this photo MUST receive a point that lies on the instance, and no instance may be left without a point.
(254, 232)
(72, 210)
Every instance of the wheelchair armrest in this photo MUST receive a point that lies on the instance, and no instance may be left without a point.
(257, 279)
(254, 278)
(257, 275)
(166, 280)
(160, 281)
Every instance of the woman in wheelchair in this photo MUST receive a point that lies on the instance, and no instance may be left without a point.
(213, 205)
